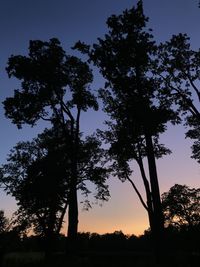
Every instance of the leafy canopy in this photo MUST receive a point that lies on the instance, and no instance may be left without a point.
(52, 83)
(181, 206)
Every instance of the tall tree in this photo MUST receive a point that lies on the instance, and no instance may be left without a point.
(126, 58)
(37, 175)
(54, 88)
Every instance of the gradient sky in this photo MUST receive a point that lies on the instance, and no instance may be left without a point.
(85, 20)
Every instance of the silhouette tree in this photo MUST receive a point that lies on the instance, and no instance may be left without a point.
(54, 88)
(181, 206)
(179, 68)
(126, 58)
(37, 175)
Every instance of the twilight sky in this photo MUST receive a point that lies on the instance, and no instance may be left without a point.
(85, 20)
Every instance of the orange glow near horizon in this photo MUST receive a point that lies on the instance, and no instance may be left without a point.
(104, 227)
(123, 212)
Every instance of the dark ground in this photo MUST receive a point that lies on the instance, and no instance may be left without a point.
(100, 258)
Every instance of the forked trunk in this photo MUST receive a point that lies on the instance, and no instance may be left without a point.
(148, 193)
(157, 220)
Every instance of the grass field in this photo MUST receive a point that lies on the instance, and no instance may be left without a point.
(98, 259)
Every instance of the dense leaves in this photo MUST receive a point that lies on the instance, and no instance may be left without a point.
(179, 69)
(50, 79)
(181, 206)
(55, 87)
(36, 176)
(126, 57)
(146, 87)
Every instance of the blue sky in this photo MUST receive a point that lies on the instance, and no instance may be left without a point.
(85, 20)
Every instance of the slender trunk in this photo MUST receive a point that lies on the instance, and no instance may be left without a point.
(154, 182)
(72, 231)
(158, 221)
(73, 207)
(153, 195)
(148, 193)
(72, 219)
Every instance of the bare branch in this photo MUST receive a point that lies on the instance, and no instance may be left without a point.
(137, 192)
(44, 119)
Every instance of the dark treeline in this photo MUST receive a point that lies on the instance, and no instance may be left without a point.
(111, 248)
(147, 87)
(116, 241)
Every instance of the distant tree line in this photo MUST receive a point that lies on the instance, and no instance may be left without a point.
(147, 86)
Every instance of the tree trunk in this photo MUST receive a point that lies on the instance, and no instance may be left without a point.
(71, 246)
(148, 193)
(50, 234)
(72, 220)
(158, 221)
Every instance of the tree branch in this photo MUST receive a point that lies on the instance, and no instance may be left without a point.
(67, 111)
(44, 119)
(193, 86)
(191, 106)
(137, 192)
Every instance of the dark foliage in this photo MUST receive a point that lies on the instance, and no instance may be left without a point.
(181, 206)
(55, 88)
(179, 68)
(126, 57)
